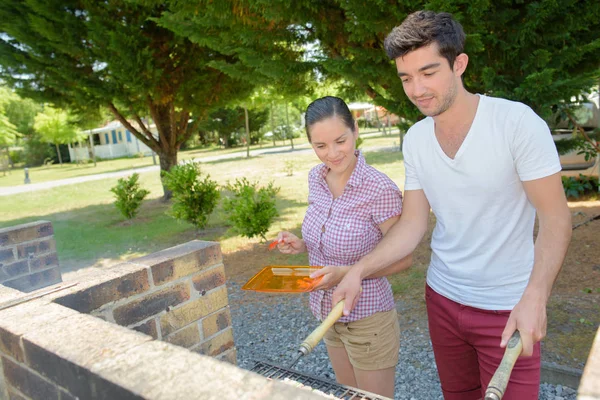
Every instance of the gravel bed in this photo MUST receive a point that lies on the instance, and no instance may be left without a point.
(270, 327)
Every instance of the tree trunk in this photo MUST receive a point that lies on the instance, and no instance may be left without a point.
(167, 161)
(247, 133)
(378, 121)
(272, 126)
(171, 126)
(58, 153)
(289, 129)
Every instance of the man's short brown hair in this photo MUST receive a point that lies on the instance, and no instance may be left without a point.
(423, 28)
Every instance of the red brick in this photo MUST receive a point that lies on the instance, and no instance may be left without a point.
(186, 337)
(152, 304)
(36, 280)
(13, 270)
(218, 344)
(92, 298)
(149, 328)
(216, 322)
(44, 262)
(33, 249)
(25, 232)
(6, 256)
(193, 310)
(25, 318)
(182, 260)
(229, 356)
(208, 280)
(27, 382)
(10, 344)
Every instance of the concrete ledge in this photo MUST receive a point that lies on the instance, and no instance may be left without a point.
(560, 375)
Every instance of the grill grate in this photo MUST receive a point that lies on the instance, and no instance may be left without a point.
(341, 391)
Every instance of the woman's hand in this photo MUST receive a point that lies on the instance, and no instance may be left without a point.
(290, 243)
(331, 276)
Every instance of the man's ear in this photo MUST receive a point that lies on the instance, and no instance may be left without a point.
(460, 64)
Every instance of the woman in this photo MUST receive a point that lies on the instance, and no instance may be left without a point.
(351, 206)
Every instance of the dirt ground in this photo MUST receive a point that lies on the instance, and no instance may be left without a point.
(573, 309)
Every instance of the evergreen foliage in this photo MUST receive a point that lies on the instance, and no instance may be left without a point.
(193, 199)
(230, 124)
(87, 54)
(129, 195)
(252, 209)
(542, 53)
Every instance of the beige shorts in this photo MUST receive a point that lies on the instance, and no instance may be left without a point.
(372, 343)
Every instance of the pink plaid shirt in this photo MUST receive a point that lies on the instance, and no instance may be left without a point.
(340, 231)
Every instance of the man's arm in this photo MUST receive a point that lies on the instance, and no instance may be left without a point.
(397, 266)
(554, 234)
(333, 275)
(400, 241)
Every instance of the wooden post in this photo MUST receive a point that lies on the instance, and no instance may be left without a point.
(92, 146)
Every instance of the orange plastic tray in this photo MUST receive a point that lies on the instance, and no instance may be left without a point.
(283, 279)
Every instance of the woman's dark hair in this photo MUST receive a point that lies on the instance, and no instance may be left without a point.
(422, 28)
(327, 107)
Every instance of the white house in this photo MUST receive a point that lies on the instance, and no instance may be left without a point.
(110, 141)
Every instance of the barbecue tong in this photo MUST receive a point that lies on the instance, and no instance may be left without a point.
(315, 337)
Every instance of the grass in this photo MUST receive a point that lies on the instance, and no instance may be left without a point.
(16, 177)
(89, 230)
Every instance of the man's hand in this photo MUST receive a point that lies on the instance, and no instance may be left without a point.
(529, 317)
(331, 276)
(348, 289)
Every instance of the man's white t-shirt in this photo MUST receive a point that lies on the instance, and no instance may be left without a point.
(482, 244)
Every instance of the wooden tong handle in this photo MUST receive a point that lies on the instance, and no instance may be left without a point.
(498, 383)
(315, 337)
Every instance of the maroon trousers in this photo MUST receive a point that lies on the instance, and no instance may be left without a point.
(466, 344)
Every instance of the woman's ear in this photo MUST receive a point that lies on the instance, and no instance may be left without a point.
(355, 128)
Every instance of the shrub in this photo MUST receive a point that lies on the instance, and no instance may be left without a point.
(129, 195)
(193, 199)
(359, 141)
(16, 156)
(289, 167)
(575, 187)
(251, 210)
(35, 152)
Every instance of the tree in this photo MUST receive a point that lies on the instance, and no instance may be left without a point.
(54, 127)
(8, 131)
(86, 54)
(20, 111)
(230, 124)
(542, 53)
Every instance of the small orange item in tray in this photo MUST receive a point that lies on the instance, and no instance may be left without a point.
(283, 279)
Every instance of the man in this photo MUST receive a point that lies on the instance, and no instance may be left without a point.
(484, 166)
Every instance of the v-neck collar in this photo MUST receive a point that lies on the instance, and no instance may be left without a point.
(467, 139)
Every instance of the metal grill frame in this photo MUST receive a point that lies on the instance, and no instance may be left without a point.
(273, 371)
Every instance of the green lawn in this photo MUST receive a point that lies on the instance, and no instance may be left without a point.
(89, 230)
(16, 177)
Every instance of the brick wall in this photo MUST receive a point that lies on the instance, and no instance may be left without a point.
(139, 330)
(28, 259)
(177, 295)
